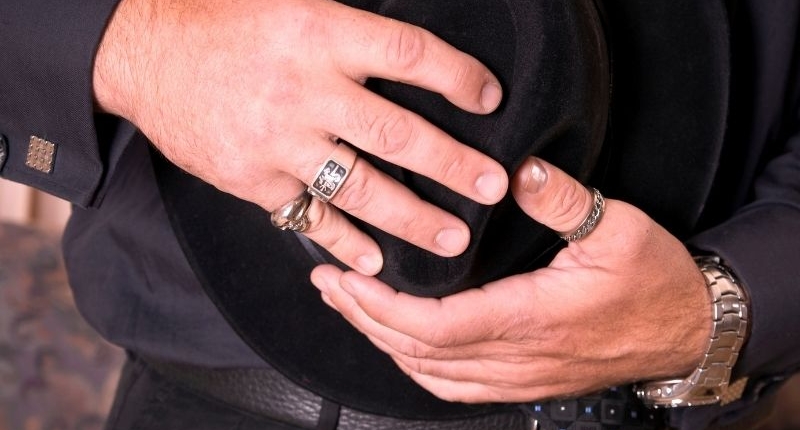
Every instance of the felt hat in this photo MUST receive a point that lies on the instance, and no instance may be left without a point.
(630, 97)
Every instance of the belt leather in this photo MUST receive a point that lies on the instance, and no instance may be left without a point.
(267, 393)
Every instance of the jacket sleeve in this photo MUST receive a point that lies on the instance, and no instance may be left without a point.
(50, 136)
(762, 245)
(761, 240)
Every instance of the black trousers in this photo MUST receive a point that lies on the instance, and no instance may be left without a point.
(146, 400)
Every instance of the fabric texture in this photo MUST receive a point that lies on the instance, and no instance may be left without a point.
(47, 92)
(753, 214)
(132, 282)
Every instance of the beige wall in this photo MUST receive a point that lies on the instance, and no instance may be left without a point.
(24, 205)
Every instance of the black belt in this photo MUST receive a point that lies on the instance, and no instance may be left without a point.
(267, 393)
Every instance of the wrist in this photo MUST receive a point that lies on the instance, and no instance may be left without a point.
(697, 325)
(710, 380)
(117, 61)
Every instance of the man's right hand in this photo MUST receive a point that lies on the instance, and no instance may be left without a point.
(251, 95)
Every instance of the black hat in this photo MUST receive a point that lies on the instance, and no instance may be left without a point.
(631, 97)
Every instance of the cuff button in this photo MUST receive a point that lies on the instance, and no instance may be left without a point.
(41, 154)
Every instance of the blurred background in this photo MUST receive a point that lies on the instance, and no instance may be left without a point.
(55, 371)
(23, 205)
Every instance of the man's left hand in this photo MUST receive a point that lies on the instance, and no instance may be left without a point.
(624, 303)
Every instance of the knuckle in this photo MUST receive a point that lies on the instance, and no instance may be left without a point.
(334, 242)
(355, 194)
(453, 167)
(421, 366)
(568, 203)
(239, 176)
(641, 229)
(319, 226)
(439, 339)
(411, 223)
(405, 48)
(460, 77)
(391, 133)
(284, 94)
(413, 350)
(323, 231)
(421, 350)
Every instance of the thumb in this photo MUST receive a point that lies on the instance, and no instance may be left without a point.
(550, 196)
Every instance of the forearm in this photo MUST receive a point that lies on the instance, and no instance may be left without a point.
(48, 52)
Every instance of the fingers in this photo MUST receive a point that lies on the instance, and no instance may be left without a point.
(415, 326)
(394, 50)
(330, 229)
(462, 391)
(375, 198)
(379, 200)
(550, 196)
(453, 370)
(471, 391)
(385, 203)
(404, 138)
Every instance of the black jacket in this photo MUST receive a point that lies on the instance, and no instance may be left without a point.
(751, 219)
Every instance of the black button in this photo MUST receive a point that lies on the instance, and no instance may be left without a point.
(3, 150)
(565, 410)
(612, 411)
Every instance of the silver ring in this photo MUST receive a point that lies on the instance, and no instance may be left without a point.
(293, 215)
(590, 222)
(332, 174)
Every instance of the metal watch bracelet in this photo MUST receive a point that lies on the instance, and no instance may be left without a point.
(710, 382)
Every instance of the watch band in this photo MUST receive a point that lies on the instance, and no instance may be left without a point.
(710, 381)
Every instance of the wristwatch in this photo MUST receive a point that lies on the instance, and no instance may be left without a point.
(710, 382)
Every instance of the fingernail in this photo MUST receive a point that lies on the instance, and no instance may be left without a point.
(537, 176)
(491, 94)
(452, 240)
(321, 282)
(369, 264)
(491, 186)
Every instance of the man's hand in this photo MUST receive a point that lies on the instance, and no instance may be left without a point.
(251, 96)
(624, 303)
